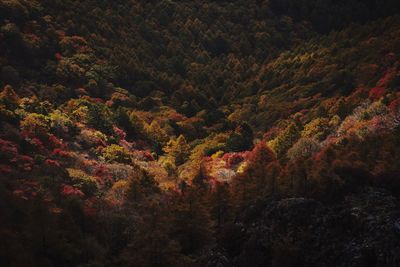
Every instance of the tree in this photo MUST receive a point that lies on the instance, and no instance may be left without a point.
(240, 140)
(149, 242)
(157, 135)
(220, 204)
(178, 149)
(259, 177)
(61, 124)
(318, 128)
(303, 148)
(136, 126)
(141, 186)
(9, 97)
(116, 153)
(35, 124)
(285, 139)
(100, 118)
(192, 225)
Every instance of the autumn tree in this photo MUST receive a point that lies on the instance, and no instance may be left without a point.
(116, 153)
(285, 139)
(178, 149)
(9, 97)
(303, 148)
(156, 135)
(259, 177)
(36, 124)
(141, 186)
(317, 129)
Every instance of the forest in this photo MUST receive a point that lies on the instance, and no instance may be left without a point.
(221, 133)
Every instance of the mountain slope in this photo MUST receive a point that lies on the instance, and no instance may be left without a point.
(199, 133)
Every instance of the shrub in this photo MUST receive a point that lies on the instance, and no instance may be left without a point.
(116, 153)
(92, 138)
(82, 180)
(35, 124)
(68, 190)
(61, 123)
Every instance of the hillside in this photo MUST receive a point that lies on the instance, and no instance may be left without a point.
(199, 133)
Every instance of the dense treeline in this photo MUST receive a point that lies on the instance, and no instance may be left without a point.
(162, 133)
(327, 15)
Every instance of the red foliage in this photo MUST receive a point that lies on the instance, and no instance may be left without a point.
(325, 154)
(147, 156)
(26, 162)
(55, 141)
(58, 56)
(109, 103)
(89, 209)
(28, 190)
(319, 155)
(27, 159)
(394, 105)
(68, 190)
(175, 116)
(103, 174)
(387, 78)
(120, 133)
(233, 159)
(52, 162)
(60, 33)
(61, 153)
(332, 140)
(98, 100)
(5, 169)
(8, 149)
(37, 143)
(9, 153)
(93, 99)
(261, 153)
(272, 133)
(18, 193)
(376, 93)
